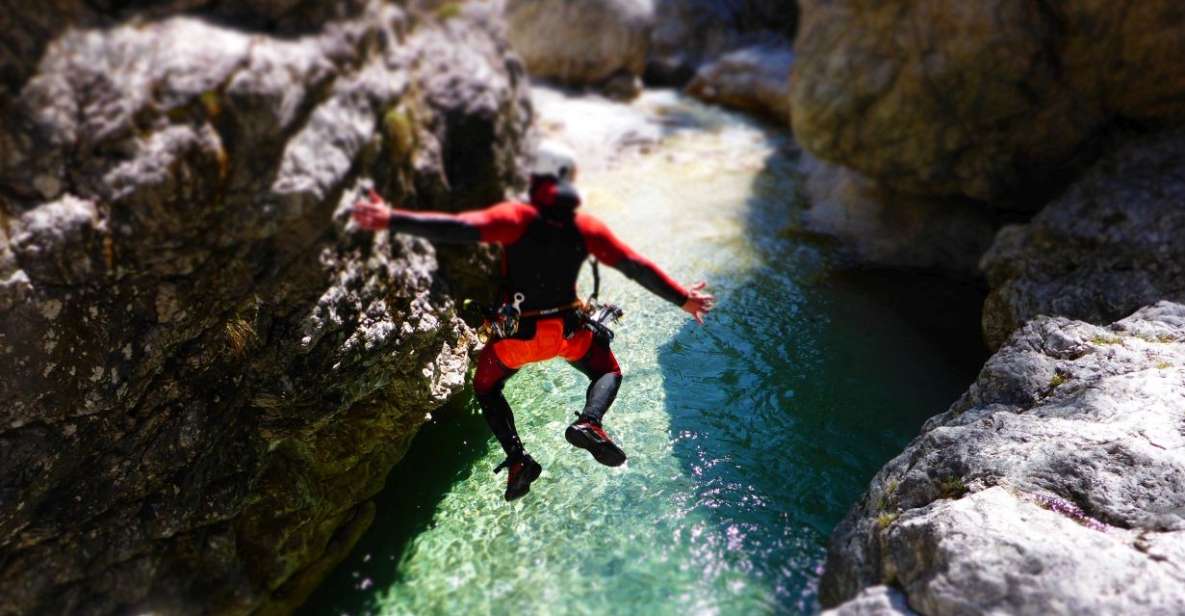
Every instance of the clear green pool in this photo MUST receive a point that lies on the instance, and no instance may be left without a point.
(748, 438)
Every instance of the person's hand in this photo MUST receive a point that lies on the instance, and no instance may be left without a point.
(372, 214)
(698, 303)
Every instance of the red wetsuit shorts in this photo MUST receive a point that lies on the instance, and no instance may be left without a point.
(548, 343)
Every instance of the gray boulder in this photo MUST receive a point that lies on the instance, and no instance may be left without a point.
(1055, 485)
(583, 42)
(755, 79)
(207, 371)
(993, 99)
(1110, 244)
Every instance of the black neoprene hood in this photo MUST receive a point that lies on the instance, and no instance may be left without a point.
(548, 192)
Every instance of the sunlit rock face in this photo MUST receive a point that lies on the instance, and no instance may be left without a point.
(1056, 484)
(995, 100)
(206, 371)
(1110, 244)
(583, 42)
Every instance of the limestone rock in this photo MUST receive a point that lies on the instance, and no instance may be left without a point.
(755, 79)
(1108, 245)
(207, 371)
(581, 42)
(1056, 484)
(995, 100)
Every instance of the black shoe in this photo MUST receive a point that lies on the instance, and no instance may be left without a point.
(523, 470)
(589, 435)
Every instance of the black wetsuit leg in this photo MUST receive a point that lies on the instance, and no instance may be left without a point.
(488, 382)
(604, 375)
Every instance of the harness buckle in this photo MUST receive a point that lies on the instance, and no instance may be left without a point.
(504, 323)
(598, 317)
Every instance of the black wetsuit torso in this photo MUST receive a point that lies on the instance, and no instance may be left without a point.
(545, 263)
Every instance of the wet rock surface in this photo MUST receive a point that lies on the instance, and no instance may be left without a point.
(1056, 484)
(1110, 244)
(995, 100)
(207, 372)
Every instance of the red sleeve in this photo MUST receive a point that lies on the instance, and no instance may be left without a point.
(503, 223)
(613, 252)
(602, 243)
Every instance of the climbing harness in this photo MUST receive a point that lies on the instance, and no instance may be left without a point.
(598, 316)
(504, 321)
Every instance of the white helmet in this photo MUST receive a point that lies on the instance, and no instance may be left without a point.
(555, 159)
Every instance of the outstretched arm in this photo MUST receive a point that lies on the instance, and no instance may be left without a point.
(502, 224)
(613, 252)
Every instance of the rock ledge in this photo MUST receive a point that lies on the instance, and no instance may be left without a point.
(1056, 484)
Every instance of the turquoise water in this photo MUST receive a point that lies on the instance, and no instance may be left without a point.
(748, 438)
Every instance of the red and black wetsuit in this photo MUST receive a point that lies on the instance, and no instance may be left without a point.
(545, 247)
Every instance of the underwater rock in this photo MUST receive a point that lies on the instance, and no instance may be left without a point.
(998, 100)
(1056, 483)
(207, 371)
(1108, 245)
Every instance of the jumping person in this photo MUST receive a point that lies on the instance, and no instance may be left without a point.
(545, 244)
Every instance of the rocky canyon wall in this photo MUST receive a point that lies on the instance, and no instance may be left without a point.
(1000, 101)
(205, 371)
(1054, 484)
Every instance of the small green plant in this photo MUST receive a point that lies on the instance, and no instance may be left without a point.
(1163, 365)
(1166, 338)
(886, 519)
(1057, 380)
(448, 11)
(952, 487)
(239, 335)
(268, 401)
(399, 123)
(211, 103)
(887, 493)
(1105, 340)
